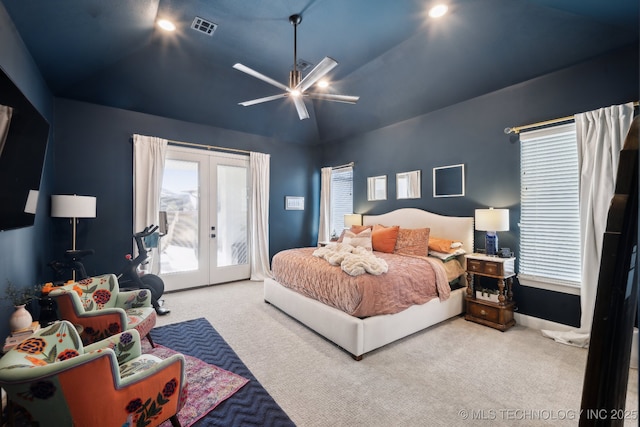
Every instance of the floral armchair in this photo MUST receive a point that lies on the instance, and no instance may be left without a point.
(98, 305)
(59, 382)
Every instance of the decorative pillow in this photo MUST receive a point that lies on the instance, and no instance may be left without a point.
(384, 238)
(413, 241)
(443, 245)
(354, 229)
(362, 239)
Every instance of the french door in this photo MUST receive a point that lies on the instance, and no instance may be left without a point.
(205, 195)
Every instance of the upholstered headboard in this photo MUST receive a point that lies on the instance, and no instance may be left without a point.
(446, 227)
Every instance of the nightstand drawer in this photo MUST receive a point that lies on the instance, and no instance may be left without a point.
(494, 268)
(486, 267)
(482, 311)
(475, 265)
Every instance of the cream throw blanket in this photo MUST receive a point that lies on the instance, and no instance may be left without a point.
(353, 260)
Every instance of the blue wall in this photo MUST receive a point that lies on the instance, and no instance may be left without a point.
(94, 156)
(472, 133)
(24, 252)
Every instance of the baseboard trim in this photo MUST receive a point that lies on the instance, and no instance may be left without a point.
(537, 323)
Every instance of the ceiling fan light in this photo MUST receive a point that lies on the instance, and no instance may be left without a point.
(438, 11)
(166, 25)
(323, 84)
(295, 92)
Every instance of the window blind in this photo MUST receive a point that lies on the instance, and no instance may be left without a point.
(341, 198)
(550, 220)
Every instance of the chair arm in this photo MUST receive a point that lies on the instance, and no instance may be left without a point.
(126, 345)
(12, 374)
(157, 370)
(133, 299)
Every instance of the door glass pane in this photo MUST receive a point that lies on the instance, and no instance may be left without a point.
(232, 215)
(180, 199)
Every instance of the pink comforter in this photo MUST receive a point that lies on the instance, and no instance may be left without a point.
(409, 281)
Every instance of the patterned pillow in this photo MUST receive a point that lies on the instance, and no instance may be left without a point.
(354, 229)
(413, 241)
(362, 239)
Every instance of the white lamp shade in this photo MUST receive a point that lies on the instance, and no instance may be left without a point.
(352, 219)
(492, 219)
(66, 206)
(32, 202)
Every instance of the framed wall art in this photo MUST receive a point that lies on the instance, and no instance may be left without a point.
(448, 181)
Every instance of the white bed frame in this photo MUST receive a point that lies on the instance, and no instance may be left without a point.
(360, 336)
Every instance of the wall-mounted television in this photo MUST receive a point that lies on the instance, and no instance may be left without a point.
(23, 140)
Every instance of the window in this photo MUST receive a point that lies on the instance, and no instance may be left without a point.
(341, 198)
(550, 221)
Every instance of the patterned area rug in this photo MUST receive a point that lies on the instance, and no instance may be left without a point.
(249, 406)
(208, 385)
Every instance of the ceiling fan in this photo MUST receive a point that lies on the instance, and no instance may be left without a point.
(298, 85)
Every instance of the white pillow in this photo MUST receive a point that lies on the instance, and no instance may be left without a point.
(447, 256)
(362, 239)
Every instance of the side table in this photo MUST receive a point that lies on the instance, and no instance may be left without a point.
(496, 314)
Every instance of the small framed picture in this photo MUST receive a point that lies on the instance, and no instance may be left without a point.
(294, 203)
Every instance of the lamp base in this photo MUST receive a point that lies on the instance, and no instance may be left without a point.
(491, 243)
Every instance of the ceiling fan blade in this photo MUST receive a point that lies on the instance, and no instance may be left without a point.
(302, 109)
(260, 76)
(260, 100)
(348, 99)
(326, 65)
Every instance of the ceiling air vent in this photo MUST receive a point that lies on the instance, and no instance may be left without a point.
(204, 26)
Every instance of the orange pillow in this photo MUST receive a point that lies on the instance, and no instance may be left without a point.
(384, 238)
(359, 228)
(440, 245)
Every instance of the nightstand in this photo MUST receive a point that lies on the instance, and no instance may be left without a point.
(496, 314)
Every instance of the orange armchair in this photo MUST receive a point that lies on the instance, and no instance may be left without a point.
(109, 383)
(98, 305)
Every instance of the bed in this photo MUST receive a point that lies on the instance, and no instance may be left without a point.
(359, 336)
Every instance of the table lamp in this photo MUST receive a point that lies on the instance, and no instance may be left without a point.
(73, 207)
(492, 220)
(352, 219)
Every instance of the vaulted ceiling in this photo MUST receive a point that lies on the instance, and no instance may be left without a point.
(390, 53)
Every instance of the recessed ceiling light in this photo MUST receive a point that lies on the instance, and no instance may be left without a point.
(438, 11)
(166, 25)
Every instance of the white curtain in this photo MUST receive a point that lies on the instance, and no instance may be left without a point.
(259, 167)
(600, 135)
(5, 120)
(148, 166)
(324, 228)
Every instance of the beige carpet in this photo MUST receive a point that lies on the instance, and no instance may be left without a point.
(455, 373)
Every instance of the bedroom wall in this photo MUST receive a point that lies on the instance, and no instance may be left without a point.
(472, 133)
(24, 251)
(94, 154)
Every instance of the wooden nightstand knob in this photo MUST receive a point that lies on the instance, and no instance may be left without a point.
(483, 313)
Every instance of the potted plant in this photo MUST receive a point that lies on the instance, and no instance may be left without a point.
(488, 295)
(19, 298)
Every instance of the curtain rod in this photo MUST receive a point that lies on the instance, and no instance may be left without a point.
(348, 165)
(208, 147)
(518, 129)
